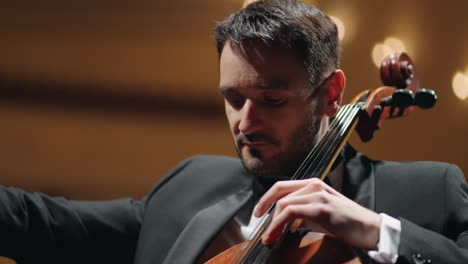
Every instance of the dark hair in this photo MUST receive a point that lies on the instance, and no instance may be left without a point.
(296, 24)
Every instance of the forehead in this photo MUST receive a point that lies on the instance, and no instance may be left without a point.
(257, 62)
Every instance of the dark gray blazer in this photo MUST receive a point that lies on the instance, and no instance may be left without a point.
(188, 207)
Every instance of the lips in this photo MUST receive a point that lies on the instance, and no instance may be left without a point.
(254, 140)
(255, 143)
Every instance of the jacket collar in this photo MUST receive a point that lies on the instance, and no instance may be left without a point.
(204, 226)
(359, 178)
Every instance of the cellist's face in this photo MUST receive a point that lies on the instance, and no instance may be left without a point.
(273, 115)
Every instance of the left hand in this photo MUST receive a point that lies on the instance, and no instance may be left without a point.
(313, 200)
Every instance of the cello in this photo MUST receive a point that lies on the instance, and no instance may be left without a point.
(397, 97)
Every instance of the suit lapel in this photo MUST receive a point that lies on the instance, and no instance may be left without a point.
(204, 226)
(359, 179)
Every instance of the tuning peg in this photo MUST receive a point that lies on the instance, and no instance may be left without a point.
(402, 98)
(425, 98)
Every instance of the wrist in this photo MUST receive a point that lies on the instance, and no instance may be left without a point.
(373, 233)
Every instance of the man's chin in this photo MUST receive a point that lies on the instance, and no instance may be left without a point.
(270, 166)
(261, 163)
(261, 168)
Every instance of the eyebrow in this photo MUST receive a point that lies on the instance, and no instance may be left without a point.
(275, 85)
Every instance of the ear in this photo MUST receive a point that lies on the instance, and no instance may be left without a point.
(334, 88)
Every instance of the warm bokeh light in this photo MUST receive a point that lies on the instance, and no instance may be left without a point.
(460, 84)
(379, 52)
(395, 44)
(340, 25)
(390, 45)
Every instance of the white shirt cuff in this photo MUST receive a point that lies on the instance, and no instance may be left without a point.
(389, 241)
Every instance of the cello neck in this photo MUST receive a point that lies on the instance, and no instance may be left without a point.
(319, 161)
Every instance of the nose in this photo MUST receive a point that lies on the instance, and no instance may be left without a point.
(250, 118)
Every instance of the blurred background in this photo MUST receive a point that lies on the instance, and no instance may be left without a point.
(99, 99)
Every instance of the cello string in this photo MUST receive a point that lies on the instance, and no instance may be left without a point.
(343, 133)
(324, 142)
(312, 154)
(327, 143)
(338, 136)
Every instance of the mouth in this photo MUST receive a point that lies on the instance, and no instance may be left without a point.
(254, 140)
(255, 143)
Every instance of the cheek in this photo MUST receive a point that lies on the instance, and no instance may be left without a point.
(294, 120)
(284, 126)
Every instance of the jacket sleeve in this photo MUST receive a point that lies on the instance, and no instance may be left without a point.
(36, 228)
(419, 245)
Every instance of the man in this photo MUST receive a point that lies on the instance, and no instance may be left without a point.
(280, 80)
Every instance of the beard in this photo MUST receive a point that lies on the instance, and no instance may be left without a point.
(283, 165)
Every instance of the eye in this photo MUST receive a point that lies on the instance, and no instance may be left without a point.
(274, 100)
(235, 101)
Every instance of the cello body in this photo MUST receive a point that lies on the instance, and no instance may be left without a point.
(312, 248)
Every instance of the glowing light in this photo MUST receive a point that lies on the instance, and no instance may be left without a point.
(395, 44)
(379, 52)
(389, 46)
(460, 85)
(340, 25)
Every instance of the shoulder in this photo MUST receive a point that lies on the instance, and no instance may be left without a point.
(414, 175)
(406, 170)
(417, 168)
(425, 178)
